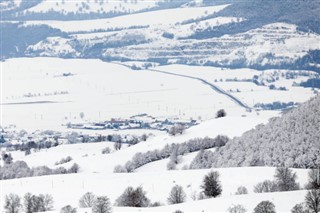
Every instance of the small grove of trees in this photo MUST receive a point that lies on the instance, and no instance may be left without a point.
(40, 203)
(265, 186)
(133, 197)
(31, 203)
(211, 184)
(265, 207)
(20, 169)
(177, 195)
(64, 160)
(285, 180)
(98, 204)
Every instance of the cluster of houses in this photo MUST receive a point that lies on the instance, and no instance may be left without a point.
(141, 121)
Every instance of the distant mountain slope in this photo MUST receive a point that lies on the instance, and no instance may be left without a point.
(292, 140)
(80, 9)
(303, 13)
(259, 34)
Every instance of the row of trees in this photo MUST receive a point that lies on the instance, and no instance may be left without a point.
(193, 145)
(21, 169)
(31, 203)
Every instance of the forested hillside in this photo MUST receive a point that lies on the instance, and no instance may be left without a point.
(292, 140)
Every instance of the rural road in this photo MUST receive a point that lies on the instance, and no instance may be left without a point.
(214, 87)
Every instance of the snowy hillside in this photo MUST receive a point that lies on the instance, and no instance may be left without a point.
(96, 175)
(159, 106)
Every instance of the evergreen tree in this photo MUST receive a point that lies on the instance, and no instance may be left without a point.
(286, 179)
(211, 184)
(313, 200)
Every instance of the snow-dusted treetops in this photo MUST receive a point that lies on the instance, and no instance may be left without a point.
(291, 140)
(255, 33)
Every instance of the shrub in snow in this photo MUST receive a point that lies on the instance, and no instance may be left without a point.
(313, 200)
(27, 152)
(177, 195)
(286, 179)
(133, 197)
(106, 150)
(101, 204)
(6, 157)
(68, 209)
(176, 129)
(314, 179)
(221, 113)
(12, 203)
(211, 184)
(87, 200)
(241, 190)
(171, 166)
(237, 209)
(265, 207)
(74, 168)
(155, 204)
(299, 208)
(119, 169)
(265, 186)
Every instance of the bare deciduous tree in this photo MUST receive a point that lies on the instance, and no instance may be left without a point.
(86, 200)
(177, 195)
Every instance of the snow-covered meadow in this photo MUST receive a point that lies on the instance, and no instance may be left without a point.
(47, 93)
(77, 92)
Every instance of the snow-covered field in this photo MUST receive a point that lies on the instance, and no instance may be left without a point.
(67, 189)
(45, 98)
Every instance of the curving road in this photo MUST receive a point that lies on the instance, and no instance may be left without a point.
(214, 87)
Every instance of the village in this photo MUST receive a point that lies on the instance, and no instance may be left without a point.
(88, 132)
